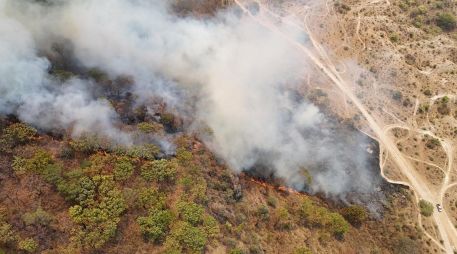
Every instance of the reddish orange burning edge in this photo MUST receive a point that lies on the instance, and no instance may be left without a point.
(280, 188)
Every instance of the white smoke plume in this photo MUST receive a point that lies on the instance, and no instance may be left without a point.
(239, 77)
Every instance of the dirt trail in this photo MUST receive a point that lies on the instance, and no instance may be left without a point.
(446, 230)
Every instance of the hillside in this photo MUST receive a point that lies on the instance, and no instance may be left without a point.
(137, 140)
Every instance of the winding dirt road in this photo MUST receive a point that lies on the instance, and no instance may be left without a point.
(268, 19)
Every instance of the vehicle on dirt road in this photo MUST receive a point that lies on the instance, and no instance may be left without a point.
(439, 207)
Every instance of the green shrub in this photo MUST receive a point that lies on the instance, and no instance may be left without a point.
(428, 92)
(190, 238)
(159, 170)
(167, 119)
(98, 211)
(147, 151)
(282, 218)
(302, 250)
(338, 225)
(38, 217)
(123, 168)
(271, 201)
(355, 214)
(70, 184)
(322, 217)
(432, 143)
(86, 144)
(446, 21)
(52, 173)
(67, 152)
(151, 198)
(149, 127)
(394, 38)
(19, 165)
(172, 246)
(191, 212)
(40, 163)
(423, 108)
(16, 134)
(263, 213)
(211, 226)
(197, 192)
(28, 245)
(7, 235)
(426, 208)
(184, 157)
(406, 246)
(236, 251)
(155, 226)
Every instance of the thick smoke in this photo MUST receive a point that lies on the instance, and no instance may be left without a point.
(226, 72)
(27, 90)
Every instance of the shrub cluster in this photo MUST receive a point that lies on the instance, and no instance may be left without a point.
(322, 217)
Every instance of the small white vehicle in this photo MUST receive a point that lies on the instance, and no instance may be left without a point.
(439, 207)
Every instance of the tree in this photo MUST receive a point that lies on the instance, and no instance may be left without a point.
(426, 208)
(16, 134)
(322, 217)
(7, 235)
(98, 211)
(88, 144)
(123, 168)
(191, 238)
(151, 198)
(355, 214)
(191, 212)
(159, 170)
(37, 163)
(184, 157)
(211, 226)
(37, 217)
(338, 225)
(147, 151)
(156, 224)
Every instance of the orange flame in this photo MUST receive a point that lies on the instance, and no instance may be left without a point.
(284, 189)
